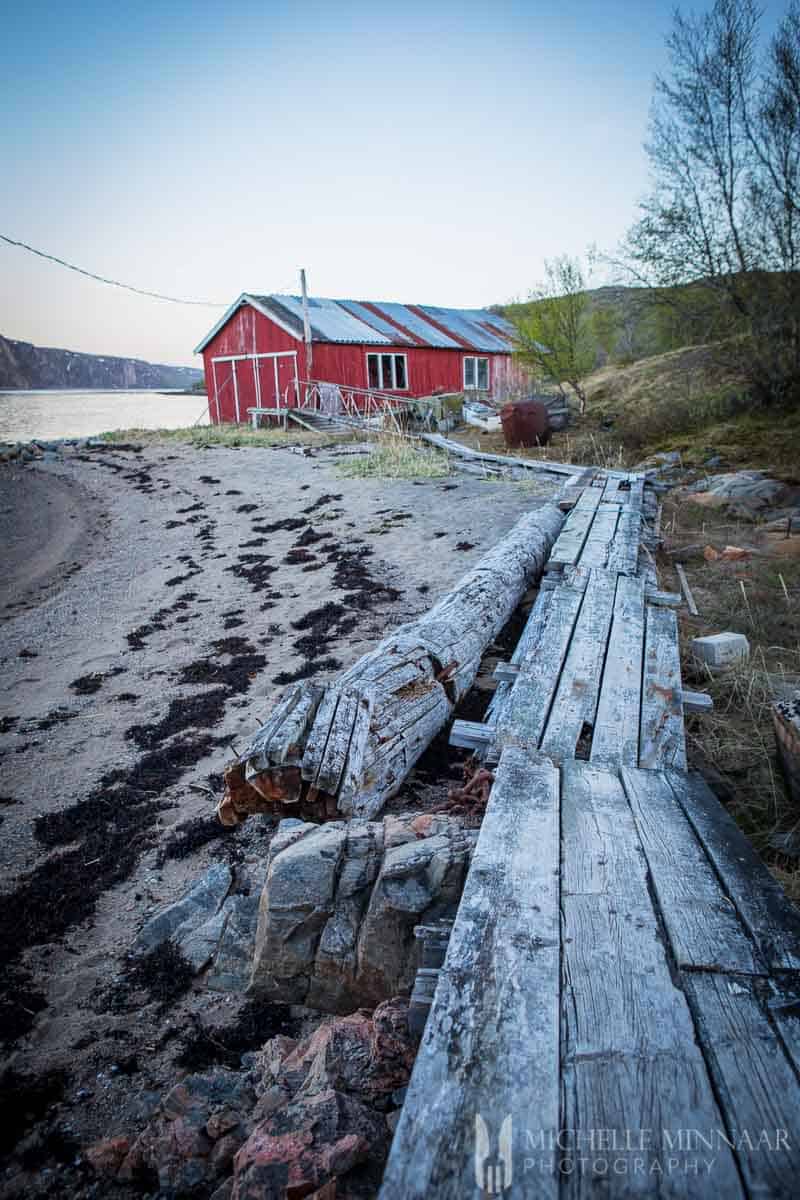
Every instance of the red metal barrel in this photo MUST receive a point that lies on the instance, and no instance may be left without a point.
(525, 423)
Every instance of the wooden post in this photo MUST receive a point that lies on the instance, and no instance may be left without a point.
(216, 390)
(306, 327)
(235, 390)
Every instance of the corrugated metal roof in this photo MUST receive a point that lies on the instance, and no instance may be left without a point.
(425, 333)
(331, 322)
(468, 325)
(381, 323)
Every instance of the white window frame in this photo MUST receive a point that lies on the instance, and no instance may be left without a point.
(475, 387)
(391, 386)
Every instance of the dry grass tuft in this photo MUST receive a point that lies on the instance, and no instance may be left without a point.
(734, 745)
(223, 435)
(395, 457)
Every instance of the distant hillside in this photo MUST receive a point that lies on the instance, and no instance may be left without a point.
(631, 323)
(23, 365)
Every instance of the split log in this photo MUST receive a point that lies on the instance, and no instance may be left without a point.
(346, 749)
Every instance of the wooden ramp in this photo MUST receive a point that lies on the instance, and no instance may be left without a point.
(618, 1013)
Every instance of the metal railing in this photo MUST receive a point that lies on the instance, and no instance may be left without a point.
(360, 405)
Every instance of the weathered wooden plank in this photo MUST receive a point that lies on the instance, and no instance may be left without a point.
(687, 591)
(616, 728)
(623, 556)
(570, 541)
(611, 491)
(666, 599)
(633, 1075)
(770, 917)
(491, 1043)
(471, 734)
(662, 740)
(331, 765)
(575, 700)
(524, 715)
(701, 921)
(257, 745)
(601, 535)
(351, 787)
(318, 735)
(784, 1009)
(755, 1082)
(506, 460)
(531, 636)
(696, 702)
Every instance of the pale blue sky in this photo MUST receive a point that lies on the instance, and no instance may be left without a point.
(428, 152)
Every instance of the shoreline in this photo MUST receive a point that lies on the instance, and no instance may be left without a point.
(208, 578)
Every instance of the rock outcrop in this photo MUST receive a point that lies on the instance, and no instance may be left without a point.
(293, 1121)
(327, 920)
(340, 902)
(213, 925)
(741, 493)
(23, 365)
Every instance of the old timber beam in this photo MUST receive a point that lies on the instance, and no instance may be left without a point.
(344, 750)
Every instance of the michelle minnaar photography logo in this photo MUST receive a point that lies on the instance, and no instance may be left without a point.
(493, 1167)
(505, 1152)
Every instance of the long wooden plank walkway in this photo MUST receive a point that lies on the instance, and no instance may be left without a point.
(618, 1013)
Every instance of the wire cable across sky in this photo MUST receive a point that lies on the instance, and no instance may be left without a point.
(113, 282)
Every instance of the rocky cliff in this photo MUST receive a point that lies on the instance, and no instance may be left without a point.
(23, 365)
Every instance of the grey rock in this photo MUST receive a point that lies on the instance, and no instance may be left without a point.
(198, 944)
(233, 958)
(339, 906)
(753, 489)
(297, 900)
(181, 919)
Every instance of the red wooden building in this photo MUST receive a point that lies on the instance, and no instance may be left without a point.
(262, 354)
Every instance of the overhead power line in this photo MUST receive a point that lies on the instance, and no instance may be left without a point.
(113, 282)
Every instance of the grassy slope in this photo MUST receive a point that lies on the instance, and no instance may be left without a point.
(688, 400)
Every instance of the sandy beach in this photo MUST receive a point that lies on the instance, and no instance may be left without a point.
(149, 618)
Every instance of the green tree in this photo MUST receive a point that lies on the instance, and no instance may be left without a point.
(724, 146)
(554, 337)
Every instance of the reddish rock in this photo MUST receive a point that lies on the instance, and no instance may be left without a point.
(106, 1156)
(318, 1110)
(392, 1049)
(299, 1149)
(366, 1054)
(193, 1137)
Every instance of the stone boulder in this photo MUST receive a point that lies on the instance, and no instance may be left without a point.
(369, 1055)
(191, 1141)
(325, 1103)
(742, 493)
(303, 1145)
(340, 902)
(213, 925)
(297, 1117)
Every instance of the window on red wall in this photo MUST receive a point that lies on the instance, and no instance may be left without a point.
(476, 374)
(387, 372)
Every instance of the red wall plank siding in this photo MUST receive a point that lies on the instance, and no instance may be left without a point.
(250, 332)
